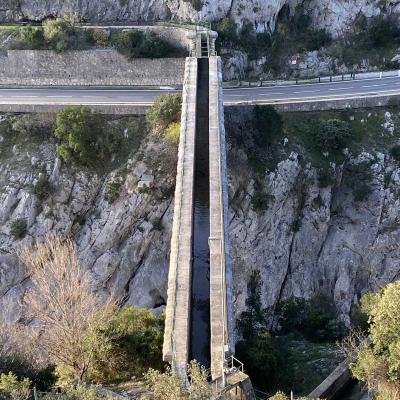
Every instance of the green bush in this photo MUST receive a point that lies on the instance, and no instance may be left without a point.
(173, 132)
(79, 392)
(13, 389)
(32, 37)
(166, 110)
(269, 125)
(253, 319)
(100, 37)
(134, 44)
(260, 201)
(316, 319)
(315, 39)
(359, 177)
(42, 188)
(262, 358)
(18, 228)
(326, 176)
(196, 4)
(395, 152)
(113, 191)
(332, 135)
(77, 130)
(135, 338)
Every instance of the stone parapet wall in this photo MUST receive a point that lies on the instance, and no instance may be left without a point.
(177, 313)
(87, 67)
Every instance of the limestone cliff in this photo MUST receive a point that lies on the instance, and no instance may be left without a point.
(335, 15)
(307, 240)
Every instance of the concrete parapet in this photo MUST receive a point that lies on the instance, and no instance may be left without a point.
(177, 317)
(118, 109)
(334, 383)
(220, 268)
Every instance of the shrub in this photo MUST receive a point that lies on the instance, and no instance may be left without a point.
(42, 188)
(166, 109)
(359, 177)
(32, 36)
(100, 37)
(315, 39)
(79, 392)
(326, 176)
(113, 191)
(378, 363)
(253, 319)
(260, 201)
(170, 386)
(18, 228)
(196, 4)
(316, 319)
(135, 340)
(262, 358)
(395, 152)
(76, 128)
(13, 389)
(134, 43)
(57, 32)
(269, 125)
(227, 30)
(332, 135)
(173, 132)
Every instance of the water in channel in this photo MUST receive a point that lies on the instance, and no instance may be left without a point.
(200, 296)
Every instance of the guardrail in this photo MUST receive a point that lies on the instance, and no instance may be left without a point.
(320, 79)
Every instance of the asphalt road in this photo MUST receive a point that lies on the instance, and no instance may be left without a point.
(263, 95)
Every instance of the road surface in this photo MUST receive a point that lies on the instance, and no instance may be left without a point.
(264, 95)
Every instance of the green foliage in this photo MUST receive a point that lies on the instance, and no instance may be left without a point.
(196, 4)
(260, 201)
(269, 125)
(170, 386)
(359, 177)
(42, 188)
(113, 191)
(135, 340)
(134, 44)
(227, 31)
(13, 389)
(262, 358)
(100, 37)
(32, 36)
(378, 364)
(78, 392)
(60, 32)
(332, 135)
(316, 39)
(326, 176)
(166, 110)
(253, 319)
(76, 128)
(173, 132)
(18, 228)
(316, 319)
(395, 152)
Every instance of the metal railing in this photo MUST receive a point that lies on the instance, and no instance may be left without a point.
(319, 79)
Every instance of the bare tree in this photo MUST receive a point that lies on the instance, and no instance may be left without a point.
(67, 310)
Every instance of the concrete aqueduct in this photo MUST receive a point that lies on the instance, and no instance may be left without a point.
(199, 308)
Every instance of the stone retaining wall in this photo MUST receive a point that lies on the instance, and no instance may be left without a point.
(87, 67)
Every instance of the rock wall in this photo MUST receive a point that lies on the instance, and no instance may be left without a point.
(335, 15)
(86, 67)
(308, 241)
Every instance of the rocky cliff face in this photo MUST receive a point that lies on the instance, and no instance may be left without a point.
(334, 15)
(308, 240)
